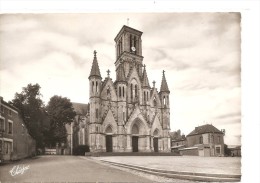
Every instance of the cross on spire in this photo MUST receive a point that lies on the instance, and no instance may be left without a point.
(95, 53)
(163, 72)
(154, 84)
(108, 73)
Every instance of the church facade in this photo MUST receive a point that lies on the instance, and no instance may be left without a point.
(127, 115)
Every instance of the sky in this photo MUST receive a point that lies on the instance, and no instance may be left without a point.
(200, 53)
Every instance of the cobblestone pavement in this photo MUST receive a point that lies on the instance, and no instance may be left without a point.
(218, 165)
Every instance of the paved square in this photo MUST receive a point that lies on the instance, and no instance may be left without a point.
(216, 165)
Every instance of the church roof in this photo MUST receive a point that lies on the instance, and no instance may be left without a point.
(164, 85)
(121, 73)
(80, 109)
(145, 79)
(204, 129)
(95, 68)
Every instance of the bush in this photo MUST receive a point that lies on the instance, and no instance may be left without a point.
(81, 150)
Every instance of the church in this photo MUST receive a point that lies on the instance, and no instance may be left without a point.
(127, 115)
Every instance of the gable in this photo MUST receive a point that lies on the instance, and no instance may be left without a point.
(134, 75)
(155, 95)
(110, 121)
(156, 124)
(109, 85)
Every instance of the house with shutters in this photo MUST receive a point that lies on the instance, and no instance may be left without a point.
(205, 140)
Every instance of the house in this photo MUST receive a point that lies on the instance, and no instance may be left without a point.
(178, 141)
(15, 141)
(235, 151)
(205, 140)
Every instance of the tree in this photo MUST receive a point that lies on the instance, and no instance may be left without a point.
(227, 151)
(60, 112)
(31, 108)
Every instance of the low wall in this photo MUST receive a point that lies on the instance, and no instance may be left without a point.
(189, 152)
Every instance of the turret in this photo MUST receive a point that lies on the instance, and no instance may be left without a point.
(95, 110)
(121, 85)
(146, 88)
(94, 78)
(164, 92)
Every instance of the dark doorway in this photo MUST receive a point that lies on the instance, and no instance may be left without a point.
(62, 151)
(155, 144)
(135, 143)
(109, 143)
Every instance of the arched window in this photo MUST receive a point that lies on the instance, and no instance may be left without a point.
(135, 90)
(97, 113)
(123, 91)
(144, 96)
(156, 132)
(164, 103)
(109, 129)
(93, 85)
(119, 91)
(147, 96)
(212, 138)
(131, 91)
(135, 41)
(154, 102)
(130, 42)
(135, 129)
(96, 86)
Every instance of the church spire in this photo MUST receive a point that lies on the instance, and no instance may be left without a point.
(164, 85)
(145, 78)
(95, 68)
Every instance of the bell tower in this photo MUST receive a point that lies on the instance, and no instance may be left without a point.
(129, 49)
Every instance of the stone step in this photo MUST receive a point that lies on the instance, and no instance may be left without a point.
(208, 177)
(96, 154)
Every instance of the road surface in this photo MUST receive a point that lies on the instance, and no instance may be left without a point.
(64, 169)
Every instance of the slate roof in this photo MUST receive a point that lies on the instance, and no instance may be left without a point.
(80, 109)
(204, 129)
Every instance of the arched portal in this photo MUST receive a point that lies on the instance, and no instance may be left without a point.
(135, 133)
(155, 140)
(109, 139)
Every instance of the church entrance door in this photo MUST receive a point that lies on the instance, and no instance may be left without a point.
(135, 143)
(155, 144)
(109, 143)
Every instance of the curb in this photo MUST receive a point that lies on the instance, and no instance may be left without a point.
(209, 177)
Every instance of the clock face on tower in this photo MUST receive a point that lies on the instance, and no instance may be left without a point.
(133, 48)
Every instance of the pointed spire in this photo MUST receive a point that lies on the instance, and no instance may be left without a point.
(121, 73)
(145, 78)
(95, 68)
(164, 85)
